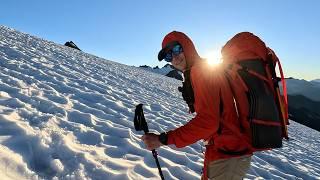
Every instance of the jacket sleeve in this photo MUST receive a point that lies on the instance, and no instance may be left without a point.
(207, 100)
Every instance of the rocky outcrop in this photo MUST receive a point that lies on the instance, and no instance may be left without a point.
(175, 74)
(167, 70)
(72, 45)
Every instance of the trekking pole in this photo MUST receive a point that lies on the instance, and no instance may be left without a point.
(141, 124)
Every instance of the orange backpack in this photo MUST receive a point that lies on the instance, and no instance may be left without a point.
(262, 110)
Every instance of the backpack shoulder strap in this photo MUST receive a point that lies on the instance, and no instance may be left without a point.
(187, 91)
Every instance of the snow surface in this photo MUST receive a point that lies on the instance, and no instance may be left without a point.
(65, 114)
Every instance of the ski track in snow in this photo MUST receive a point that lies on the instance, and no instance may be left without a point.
(65, 114)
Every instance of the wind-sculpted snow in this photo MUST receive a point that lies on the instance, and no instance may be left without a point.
(65, 114)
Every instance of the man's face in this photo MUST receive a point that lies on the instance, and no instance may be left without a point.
(179, 62)
(176, 57)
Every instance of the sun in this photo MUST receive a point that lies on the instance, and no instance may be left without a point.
(214, 58)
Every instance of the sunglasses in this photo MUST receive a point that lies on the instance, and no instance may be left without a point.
(176, 50)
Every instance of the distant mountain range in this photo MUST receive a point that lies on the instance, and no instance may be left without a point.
(303, 96)
(304, 111)
(304, 102)
(309, 89)
(316, 80)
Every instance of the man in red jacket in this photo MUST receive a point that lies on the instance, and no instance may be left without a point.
(227, 155)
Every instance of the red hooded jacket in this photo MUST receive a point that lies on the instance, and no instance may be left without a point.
(216, 117)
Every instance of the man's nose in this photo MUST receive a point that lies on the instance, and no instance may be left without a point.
(175, 55)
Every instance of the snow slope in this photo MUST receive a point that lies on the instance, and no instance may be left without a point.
(65, 114)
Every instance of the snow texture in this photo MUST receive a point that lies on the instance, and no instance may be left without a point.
(65, 114)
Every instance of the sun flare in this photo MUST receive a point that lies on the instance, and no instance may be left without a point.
(214, 58)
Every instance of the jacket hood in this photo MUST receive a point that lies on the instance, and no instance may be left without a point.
(189, 49)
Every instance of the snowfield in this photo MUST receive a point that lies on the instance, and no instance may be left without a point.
(65, 114)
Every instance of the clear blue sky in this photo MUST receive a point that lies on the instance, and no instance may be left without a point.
(131, 31)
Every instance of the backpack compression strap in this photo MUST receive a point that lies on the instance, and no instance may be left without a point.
(272, 55)
(282, 101)
(284, 87)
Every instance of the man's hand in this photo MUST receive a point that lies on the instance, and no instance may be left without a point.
(151, 140)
